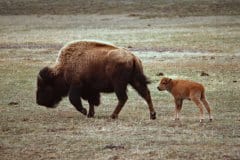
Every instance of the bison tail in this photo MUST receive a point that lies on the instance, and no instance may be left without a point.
(138, 74)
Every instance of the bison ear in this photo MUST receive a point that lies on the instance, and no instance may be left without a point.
(46, 75)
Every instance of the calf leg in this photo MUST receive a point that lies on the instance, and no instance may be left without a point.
(178, 107)
(144, 92)
(200, 106)
(206, 104)
(74, 97)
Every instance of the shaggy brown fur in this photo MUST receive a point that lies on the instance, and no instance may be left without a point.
(84, 69)
(184, 89)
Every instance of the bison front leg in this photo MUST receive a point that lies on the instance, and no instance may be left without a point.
(93, 100)
(91, 110)
(74, 97)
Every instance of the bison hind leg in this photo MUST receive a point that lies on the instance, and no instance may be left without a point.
(143, 91)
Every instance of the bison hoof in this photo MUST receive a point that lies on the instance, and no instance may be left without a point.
(83, 111)
(90, 115)
(153, 115)
(114, 116)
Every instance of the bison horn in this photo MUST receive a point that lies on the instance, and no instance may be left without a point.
(39, 77)
(39, 80)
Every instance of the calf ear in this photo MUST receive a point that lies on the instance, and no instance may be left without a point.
(46, 75)
(169, 80)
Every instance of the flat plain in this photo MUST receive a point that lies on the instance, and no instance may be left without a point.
(179, 46)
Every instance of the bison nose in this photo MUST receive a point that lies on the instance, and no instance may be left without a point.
(39, 102)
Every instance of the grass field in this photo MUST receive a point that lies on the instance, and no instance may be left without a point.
(181, 45)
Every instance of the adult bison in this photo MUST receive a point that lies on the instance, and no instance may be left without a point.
(83, 69)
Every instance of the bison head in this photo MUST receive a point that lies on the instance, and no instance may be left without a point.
(50, 88)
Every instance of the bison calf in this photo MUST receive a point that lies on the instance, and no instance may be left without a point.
(84, 69)
(184, 89)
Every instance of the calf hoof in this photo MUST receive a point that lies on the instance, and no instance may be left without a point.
(153, 115)
(176, 119)
(114, 116)
(201, 120)
(210, 119)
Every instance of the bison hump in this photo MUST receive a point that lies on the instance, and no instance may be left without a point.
(120, 56)
(77, 49)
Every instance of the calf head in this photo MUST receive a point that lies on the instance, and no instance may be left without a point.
(164, 84)
(50, 88)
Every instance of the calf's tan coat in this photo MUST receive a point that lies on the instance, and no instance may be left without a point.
(185, 89)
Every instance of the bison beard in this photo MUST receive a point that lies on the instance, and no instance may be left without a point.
(85, 69)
